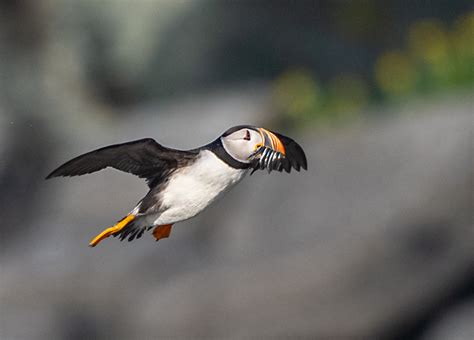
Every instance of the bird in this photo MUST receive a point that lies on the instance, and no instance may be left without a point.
(182, 183)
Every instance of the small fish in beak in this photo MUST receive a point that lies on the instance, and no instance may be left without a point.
(277, 153)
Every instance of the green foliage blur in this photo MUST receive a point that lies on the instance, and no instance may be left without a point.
(435, 58)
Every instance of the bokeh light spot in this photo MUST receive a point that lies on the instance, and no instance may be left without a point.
(395, 73)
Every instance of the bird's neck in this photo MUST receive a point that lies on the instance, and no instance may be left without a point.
(218, 149)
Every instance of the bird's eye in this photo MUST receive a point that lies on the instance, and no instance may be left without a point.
(247, 135)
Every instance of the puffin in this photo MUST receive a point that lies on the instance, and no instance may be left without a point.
(182, 183)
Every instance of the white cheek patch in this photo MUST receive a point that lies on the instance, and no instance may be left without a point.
(238, 149)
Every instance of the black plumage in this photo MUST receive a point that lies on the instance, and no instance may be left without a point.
(144, 158)
(217, 148)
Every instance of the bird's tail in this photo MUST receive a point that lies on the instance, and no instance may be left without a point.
(133, 230)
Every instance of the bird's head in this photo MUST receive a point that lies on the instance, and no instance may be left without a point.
(263, 149)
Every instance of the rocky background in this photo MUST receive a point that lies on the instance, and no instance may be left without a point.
(374, 241)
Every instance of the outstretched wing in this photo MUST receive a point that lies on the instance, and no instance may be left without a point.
(144, 158)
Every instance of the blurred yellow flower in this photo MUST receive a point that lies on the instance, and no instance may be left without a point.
(395, 73)
(348, 94)
(429, 41)
(296, 94)
(463, 35)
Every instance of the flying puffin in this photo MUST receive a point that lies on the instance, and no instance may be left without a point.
(183, 183)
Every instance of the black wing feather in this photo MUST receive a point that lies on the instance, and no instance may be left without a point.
(144, 158)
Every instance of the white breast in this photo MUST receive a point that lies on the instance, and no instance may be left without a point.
(193, 188)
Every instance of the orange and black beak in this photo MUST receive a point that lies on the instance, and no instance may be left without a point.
(278, 152)
(271, 141)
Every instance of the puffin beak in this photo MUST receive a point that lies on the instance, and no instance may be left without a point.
(270, 140)
(277, 152)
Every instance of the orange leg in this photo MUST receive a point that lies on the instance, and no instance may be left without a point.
(112, 230)
(162, 231)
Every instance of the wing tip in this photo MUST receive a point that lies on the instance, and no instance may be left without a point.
(51, 175)
(59, 173)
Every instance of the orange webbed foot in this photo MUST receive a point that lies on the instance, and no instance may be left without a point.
(162, 231)
(112, 230)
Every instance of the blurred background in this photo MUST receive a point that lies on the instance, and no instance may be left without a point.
(374, 241)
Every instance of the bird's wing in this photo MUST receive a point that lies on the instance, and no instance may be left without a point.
(144, 158)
